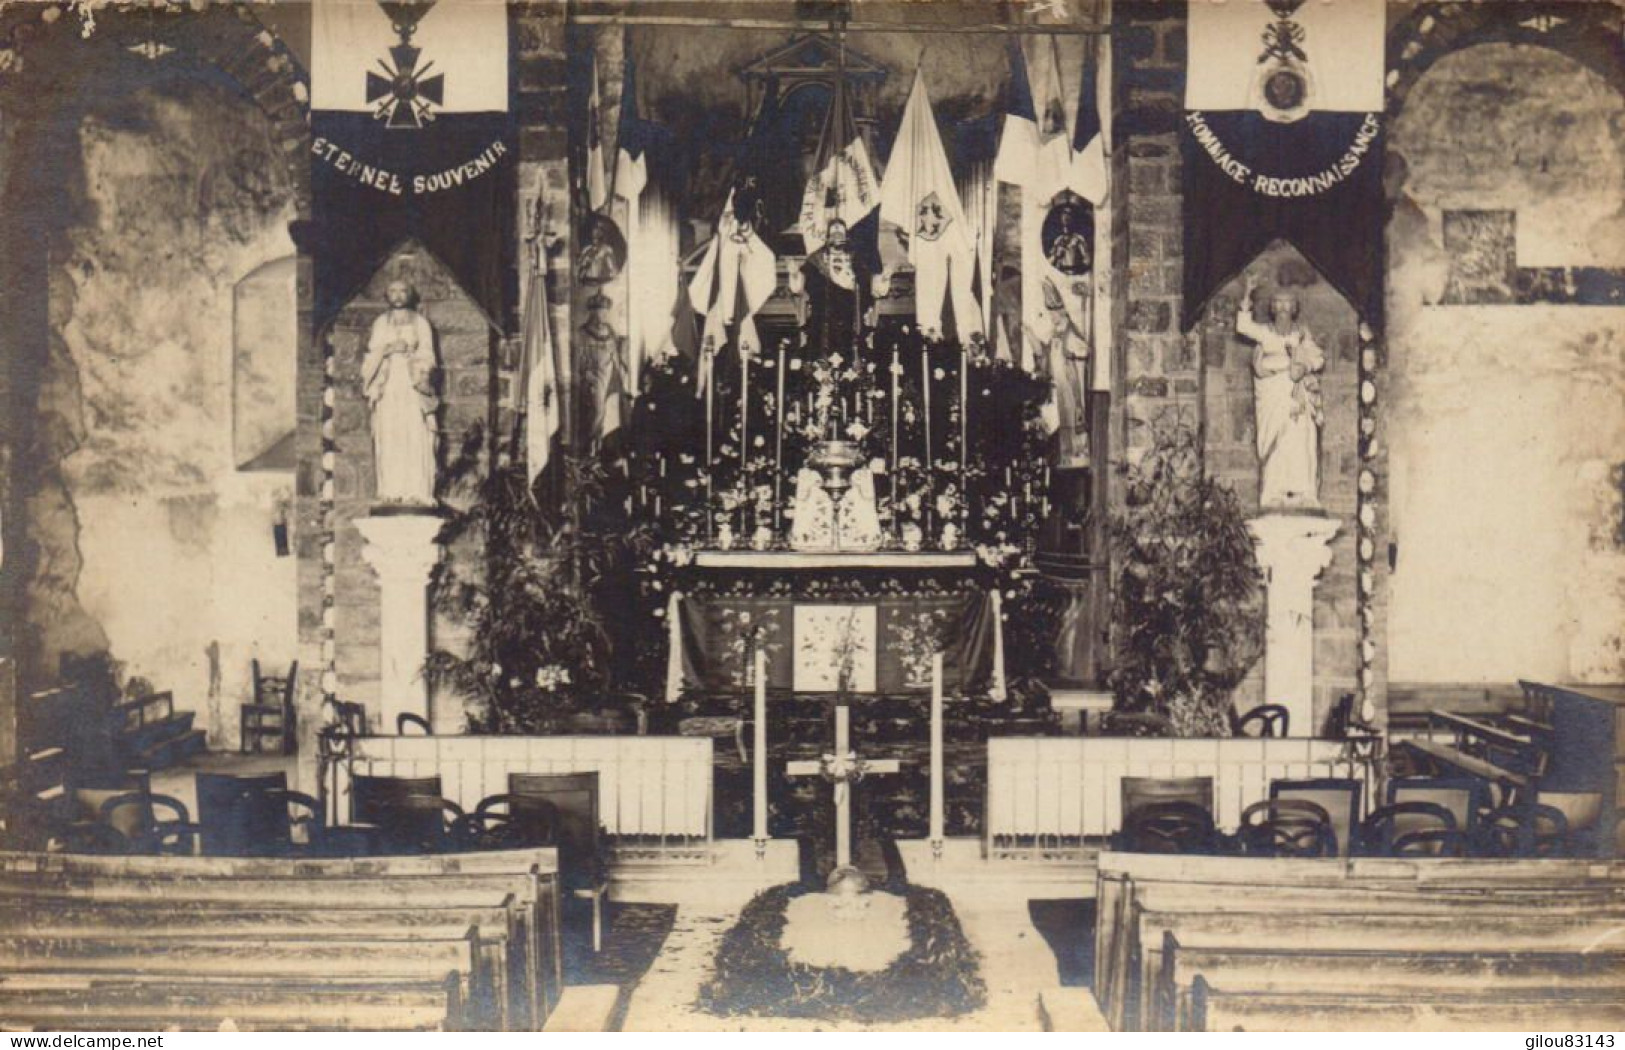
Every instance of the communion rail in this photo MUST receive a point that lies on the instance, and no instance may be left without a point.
(1047, 795)
(654, 791)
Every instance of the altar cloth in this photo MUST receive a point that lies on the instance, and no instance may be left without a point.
(712, 636)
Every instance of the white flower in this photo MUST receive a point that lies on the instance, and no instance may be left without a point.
(937, 373)
(856, 430)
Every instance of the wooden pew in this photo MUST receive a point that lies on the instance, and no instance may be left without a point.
(1222, 888)
(1390, 930)
(500, 909)
(1382, 974)
(1216, 1010)
(198, 1002)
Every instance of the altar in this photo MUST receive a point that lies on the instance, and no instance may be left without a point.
(874, 618)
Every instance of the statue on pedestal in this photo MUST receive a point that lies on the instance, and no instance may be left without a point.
(1287, 364)
(398, 376)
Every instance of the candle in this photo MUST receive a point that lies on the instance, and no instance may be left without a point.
(759, 750)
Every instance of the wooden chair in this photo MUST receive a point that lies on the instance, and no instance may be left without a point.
(1279, 827)
(1143, 791)
(129, 819)
(1406, 827)
(1169, 827)
(1339, 797)
(1582, 812)
(1464, 797)
(552, 809)
(405, 814)
(1524, 830)
(1270, 720)
(407, 720)
(269, 720)
(251, 816)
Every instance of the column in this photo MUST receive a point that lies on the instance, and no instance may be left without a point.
(1293, 550)
(401, 549)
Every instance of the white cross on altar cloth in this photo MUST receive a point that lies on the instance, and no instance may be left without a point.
(842, 768)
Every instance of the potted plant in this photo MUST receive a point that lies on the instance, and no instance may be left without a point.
(1188, 601)
(524, 581)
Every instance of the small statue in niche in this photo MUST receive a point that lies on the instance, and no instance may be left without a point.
(1287, 363)
(398, 376)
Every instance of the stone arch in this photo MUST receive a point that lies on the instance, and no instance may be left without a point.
(37, 44)
(1586, 32)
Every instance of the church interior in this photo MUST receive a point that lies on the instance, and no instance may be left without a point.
(791, 515)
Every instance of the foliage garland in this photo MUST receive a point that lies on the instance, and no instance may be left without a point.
(938, 975)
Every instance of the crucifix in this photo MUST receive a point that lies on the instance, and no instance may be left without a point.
(843, 768)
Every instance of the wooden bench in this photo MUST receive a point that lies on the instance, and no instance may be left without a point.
(489, 920)
(199, 1002)
(1380, 973)
(1455, 759)
(1216, 1010)
(1388, 907)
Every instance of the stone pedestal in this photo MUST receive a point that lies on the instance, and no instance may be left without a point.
(401, 549)
(1293, 550)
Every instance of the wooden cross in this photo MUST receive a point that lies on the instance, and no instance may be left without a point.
(842, 768)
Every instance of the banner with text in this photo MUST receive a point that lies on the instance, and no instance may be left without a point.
(1282, 138)
(412, 137)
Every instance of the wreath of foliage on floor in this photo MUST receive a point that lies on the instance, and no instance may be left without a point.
(939, 975)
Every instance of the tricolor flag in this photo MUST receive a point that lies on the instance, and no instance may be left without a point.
(539, 374)
(919, 197)
(413, 138)
(1054, 142)
(1018, 139)
(843, 184)
(597, 180)
(1283, 138)
(736, 277)
(1087, 177)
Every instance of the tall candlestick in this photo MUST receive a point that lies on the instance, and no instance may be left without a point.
(964, 446)
(936, 829)
(778, 451)
(710, 451)
(843, 824)
(930, 467)
(896, 415)
(759, 752)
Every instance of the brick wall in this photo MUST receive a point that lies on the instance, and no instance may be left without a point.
(1203, 377)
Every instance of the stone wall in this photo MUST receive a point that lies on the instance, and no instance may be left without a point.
(152, 543)
(1507, 418)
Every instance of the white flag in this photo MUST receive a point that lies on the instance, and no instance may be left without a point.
(843, 185)
(540, 380)
(919, 196)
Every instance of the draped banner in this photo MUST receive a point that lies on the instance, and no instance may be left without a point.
(1282, 138)
(412, 137)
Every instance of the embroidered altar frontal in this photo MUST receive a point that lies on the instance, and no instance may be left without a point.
(878, 629)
